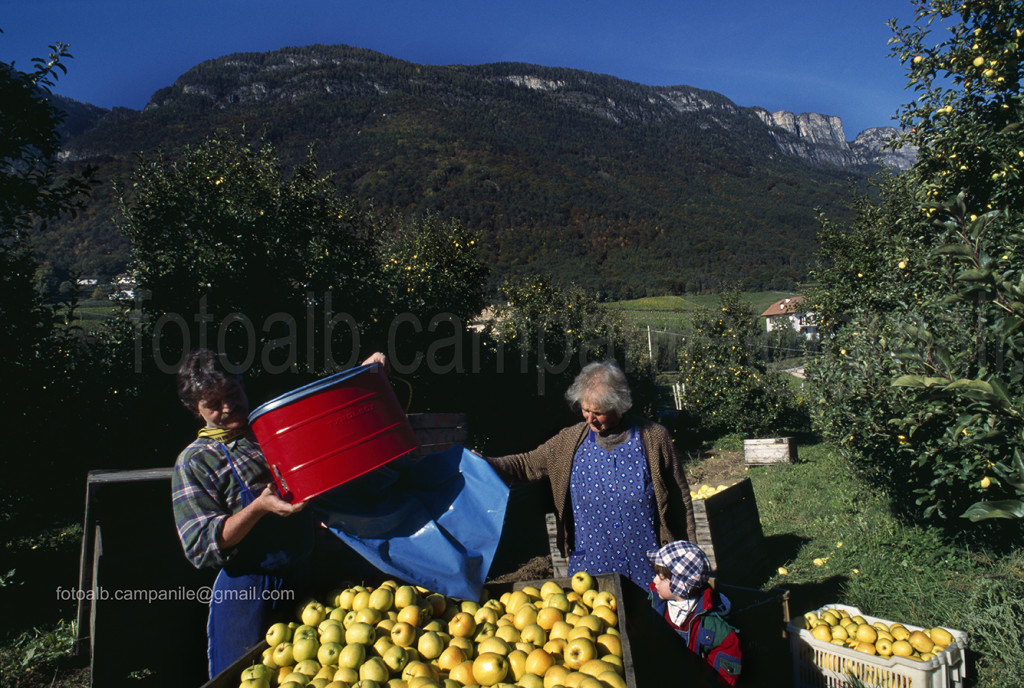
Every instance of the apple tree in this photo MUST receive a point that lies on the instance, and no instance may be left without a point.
(41, 356)
(921, 378)
(728, 387)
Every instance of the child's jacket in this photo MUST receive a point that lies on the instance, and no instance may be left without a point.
(709, 635)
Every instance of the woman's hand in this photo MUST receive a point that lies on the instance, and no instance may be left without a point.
(238, 525)
(270, 503)
(378, 357)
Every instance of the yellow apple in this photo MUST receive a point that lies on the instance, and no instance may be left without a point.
(579, 632)
(403, 634)
(395, 658)
(361, 633)
(538, 662)
(308, 667)
(451, 657)
(607, 599)
(381, 599)
(282, 655)
(462, 625)
(404, 596)
(555, 676)
(526, 615)
(313, 613)
(294, 678)
(417, 668)
(347, 674)
(361, 600)
(486, 614)
(547, 616)
(534, 634)
(328, 653)
(508, 633)
(467, 646)
(550, 588)
(493, 645)
(608, 615)
(278, 633)
(560, 629)
(530, 681)
(558, 601)
(609, 644)
(578, 651)
(490, 668)
(374, 669)
(516, 601)
(430, 645)
(463, 673)
(516, 664)
(305, 648)
(411, 614)
(555, 646)
(595, 667)
(581, 582)
(351, 656)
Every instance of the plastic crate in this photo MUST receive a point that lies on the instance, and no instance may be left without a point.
(820, 664)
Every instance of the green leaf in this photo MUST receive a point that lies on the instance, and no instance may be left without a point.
(975, 275)
(966, 384)
(954, 250)
(920, 381)
(1001, 508)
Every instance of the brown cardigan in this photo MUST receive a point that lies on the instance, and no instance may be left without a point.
(553, 460)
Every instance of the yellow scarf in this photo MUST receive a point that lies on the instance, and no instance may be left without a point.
(222, 435)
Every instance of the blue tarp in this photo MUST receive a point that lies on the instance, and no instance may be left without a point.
(433, 521)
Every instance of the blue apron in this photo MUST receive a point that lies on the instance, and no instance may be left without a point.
(613, 510)
(264, 576)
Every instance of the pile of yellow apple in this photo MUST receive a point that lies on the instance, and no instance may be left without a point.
(402, 636)
(835, 625)
(705, 491)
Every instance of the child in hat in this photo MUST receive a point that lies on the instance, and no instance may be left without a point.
(693, 608)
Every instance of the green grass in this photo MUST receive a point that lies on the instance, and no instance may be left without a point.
(818, 509)
(673, 312)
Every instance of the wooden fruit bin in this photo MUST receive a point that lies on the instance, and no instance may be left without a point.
(729, 532)
(653, 654)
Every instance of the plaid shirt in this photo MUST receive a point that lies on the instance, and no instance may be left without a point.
(204, 492)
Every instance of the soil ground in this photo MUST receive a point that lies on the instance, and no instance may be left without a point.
(716, 468)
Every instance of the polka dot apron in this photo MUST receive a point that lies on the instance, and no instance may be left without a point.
(613, 510)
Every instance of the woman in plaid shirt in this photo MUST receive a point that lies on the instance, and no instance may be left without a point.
(228, 515)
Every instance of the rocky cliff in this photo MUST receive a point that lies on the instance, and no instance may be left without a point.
(820, 139)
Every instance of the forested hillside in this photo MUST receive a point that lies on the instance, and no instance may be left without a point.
(624, 188)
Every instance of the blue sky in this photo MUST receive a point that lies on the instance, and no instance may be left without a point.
(826, 56)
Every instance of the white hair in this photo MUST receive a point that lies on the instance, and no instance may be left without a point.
(603, 384)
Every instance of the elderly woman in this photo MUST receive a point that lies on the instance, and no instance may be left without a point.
(618, 485)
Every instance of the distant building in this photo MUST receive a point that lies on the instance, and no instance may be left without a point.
(789, 312)
(87, 281)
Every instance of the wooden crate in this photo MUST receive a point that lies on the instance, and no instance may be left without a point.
(437, 431)
(766, 452)
(118, 567)
(729, 532)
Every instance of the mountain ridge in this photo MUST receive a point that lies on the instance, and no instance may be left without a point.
(623, 187)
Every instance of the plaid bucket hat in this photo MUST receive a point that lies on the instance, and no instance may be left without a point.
(688, 564)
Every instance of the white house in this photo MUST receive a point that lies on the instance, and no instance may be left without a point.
(789, 312)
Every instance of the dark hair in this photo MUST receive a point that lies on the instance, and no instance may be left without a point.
(201, 374)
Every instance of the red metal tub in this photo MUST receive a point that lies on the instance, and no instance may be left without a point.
(330, 431)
